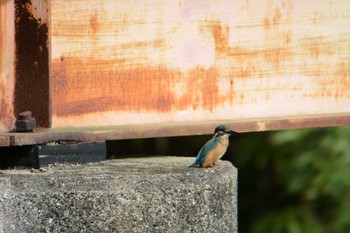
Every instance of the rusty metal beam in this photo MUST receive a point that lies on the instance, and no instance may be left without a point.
(198, 61)
(166, 130)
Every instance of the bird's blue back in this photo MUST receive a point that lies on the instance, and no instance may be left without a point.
(204, 151)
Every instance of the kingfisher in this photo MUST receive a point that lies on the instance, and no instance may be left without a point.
(214, 149)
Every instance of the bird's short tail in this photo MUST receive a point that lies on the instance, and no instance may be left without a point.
(193, 164)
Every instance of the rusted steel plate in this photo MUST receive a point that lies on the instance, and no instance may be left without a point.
(7, 50)
(148, 62)
(24, 61)
(165, 130)
(32, 89)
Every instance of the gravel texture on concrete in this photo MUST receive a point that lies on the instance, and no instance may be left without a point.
(154, 194)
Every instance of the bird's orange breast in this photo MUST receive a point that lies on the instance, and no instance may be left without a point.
(214, 155)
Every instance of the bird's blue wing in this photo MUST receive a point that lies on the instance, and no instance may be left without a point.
(204, 151)
(209, 146)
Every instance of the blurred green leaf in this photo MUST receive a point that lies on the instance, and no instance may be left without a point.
(301, 179)
(288, 220)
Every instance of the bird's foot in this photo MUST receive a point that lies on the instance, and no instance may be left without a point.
(216, 168)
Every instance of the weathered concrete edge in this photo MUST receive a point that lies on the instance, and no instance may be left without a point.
(136, 195)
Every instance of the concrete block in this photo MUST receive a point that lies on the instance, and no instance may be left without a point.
(157, 194)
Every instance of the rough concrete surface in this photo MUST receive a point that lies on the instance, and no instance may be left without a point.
(157, 194)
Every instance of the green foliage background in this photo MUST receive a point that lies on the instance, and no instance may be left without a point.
(293, 181)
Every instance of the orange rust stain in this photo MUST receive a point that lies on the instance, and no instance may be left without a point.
(94, 22)
(324, 62)
(221, 36)
(277, 17)
(245, 71)
(6, 109)
(95, 88)
(288, 37)
(143, 44)
(2, 40)
(314, 50)
(202, 84)
(274, 54)
(272, 21)
(320, 46)
(6, 67)
(3, 108)
(267, 23)
(337, 83)
(78, 88)
(232, 93)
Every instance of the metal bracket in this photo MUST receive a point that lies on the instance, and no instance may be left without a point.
(25, 122)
